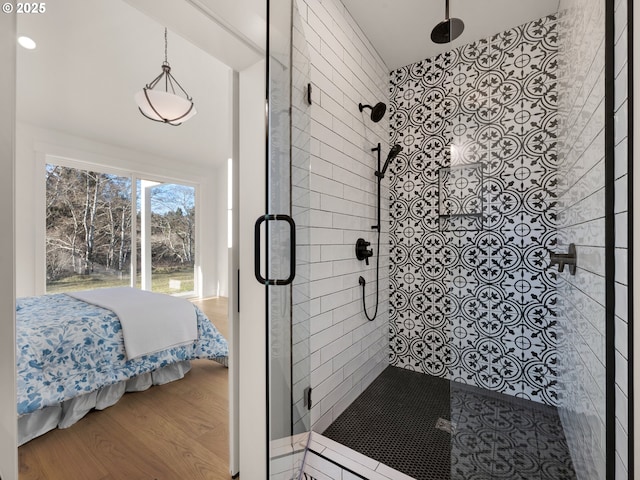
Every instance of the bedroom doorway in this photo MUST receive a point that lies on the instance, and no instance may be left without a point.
(59, 118)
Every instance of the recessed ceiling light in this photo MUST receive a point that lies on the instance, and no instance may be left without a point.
(27, 43)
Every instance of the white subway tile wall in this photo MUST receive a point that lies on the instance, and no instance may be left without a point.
(347, 351)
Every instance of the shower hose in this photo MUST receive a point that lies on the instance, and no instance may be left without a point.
(363, 282)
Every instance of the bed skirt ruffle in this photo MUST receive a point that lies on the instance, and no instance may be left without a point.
(67, 413)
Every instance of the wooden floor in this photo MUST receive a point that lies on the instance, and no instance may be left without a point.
(172, 432)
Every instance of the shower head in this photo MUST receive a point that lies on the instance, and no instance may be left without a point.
(447, 30)
(393, 153)
(377, 111)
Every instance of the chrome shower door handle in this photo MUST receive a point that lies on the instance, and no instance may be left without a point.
(562, 259)
(292, 253)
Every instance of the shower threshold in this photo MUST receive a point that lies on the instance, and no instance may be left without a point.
(432, 429)
(327, 459)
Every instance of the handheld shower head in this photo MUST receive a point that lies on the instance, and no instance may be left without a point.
(377, 111)
(393, 153)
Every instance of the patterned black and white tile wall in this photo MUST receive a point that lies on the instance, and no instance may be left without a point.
(473, 213)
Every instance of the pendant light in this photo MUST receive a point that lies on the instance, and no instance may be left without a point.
(161, 101)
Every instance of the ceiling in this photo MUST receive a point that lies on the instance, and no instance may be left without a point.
(93, 55)
(400, 29)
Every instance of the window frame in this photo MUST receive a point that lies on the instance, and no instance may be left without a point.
(103, 164)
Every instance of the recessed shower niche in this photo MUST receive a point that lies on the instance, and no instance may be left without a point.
(460, 197)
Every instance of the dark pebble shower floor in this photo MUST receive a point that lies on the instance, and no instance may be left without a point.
(494, 436)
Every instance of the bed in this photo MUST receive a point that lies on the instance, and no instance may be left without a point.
(72, 357)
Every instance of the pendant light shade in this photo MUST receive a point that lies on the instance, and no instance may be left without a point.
(164, 100)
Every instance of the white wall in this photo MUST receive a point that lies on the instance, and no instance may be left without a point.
(33, 143)
(8, 424)
(220, 229)
(347, 351)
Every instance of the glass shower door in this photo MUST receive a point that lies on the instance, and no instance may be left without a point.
(524, 182)
(500, 193)
(285, 230)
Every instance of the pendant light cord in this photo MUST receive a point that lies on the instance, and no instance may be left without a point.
(165, 45)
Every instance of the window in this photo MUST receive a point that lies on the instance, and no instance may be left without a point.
(88, 229)
(90, 225)
(166, 237)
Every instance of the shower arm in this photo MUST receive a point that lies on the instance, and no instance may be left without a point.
(379, 176)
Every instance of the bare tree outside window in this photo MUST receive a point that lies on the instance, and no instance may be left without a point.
(88, 232)
(88, 229)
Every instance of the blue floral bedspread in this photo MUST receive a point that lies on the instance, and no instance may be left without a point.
(66, 347)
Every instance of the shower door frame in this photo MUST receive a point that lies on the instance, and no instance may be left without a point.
(283, 335)
(610, 239)
(609, 165)
(633, 17)
(632, 445)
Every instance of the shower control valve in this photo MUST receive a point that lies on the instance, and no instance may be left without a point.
(362, 252)
(562, 259)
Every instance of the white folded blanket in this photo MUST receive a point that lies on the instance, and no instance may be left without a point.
(151, 322)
